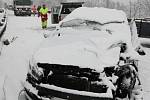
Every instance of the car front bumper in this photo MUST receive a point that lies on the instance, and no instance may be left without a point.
(44, 92)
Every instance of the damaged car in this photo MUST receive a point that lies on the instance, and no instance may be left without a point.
(89, 56)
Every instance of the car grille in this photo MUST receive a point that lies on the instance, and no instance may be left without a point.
(72, 77)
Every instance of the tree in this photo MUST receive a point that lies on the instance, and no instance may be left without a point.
(94, 3)
(145, 7)
(49, 3)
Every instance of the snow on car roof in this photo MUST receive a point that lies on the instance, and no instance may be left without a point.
(101, 15)
(119, 26)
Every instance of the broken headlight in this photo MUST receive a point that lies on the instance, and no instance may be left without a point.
(35, 74)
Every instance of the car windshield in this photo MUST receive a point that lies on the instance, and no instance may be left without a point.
(80, 22)
(86, 23)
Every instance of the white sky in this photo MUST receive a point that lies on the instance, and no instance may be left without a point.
(121, 1)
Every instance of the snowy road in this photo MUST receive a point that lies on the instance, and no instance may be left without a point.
(14, 57)
(28, 35)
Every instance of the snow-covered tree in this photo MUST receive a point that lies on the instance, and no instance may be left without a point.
(136, 8)
(145, 8)
(49, 3)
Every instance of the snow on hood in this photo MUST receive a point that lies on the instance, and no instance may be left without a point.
(84, 48)
(101, 15)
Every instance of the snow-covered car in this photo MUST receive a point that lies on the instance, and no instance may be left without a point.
(82, 59)
(2, 20)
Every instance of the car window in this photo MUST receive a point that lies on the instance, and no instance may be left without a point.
(81, 23)
(56, 10)
(74, 22)
(92, 25)
(67, 9)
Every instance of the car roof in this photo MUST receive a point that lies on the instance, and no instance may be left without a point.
(97, 14)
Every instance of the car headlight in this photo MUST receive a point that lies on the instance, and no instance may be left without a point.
(35, 71)
(40, 71)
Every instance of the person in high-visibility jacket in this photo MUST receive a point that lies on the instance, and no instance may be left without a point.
(44, 17)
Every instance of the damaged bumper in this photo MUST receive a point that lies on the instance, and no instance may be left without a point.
(66, 82)
(44, 92)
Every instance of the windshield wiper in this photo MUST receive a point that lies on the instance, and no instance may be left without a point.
(95, 22)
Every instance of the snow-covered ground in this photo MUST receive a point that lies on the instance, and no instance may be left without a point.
(144, 71)
(28, 35)
(14, 57)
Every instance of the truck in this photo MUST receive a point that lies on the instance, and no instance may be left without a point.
(22, 7)
(60, 11)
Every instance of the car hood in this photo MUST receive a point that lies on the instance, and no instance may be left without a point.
(84, 48)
